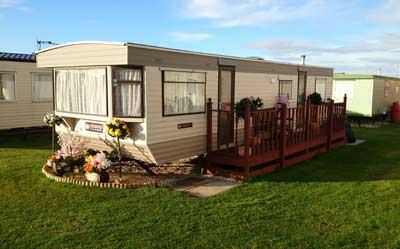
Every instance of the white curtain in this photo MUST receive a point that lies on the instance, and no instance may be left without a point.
(127, 100)
(127, 92)
(7, 86)
(126, 74)
(42, 88)
(320, 87)
(182, 98)
(171, 76)
(81, 91)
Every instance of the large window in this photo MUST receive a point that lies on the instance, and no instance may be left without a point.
(81, 90)
(7, 86)
(127, 92)
(42, 87)
(285, 89)
(320, 87)
(183, 92)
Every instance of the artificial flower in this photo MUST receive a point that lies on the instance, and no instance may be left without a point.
(118, 133)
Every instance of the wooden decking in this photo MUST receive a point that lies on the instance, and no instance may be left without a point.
(261, 142)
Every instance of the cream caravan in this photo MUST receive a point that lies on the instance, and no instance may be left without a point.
(162, 92)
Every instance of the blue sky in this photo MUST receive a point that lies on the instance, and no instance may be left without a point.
(352, 36)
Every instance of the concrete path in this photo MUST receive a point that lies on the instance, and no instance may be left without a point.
(357, 142)
(204, 186)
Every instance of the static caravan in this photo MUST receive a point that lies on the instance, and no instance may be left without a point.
(162, 92)
(25, 91)
(367, 95)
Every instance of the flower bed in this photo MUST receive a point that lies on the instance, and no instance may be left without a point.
(73, 163)
(134, 178)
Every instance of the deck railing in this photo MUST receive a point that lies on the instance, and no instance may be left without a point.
(272, 136)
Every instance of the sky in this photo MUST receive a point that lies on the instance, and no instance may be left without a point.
(353, 36)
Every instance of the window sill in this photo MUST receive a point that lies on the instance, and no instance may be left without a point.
(182, 114)
(131, 120)
(82, 116)
(41, 100)
(8, 101)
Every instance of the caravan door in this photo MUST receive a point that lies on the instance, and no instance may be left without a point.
(226, 86)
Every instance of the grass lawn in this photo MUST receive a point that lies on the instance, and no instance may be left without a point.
(348, 198)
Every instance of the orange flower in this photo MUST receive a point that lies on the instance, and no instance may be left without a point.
(88, 167)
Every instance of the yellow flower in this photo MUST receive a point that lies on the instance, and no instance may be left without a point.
(118, 133)
(125, 127)
(114, 121)
(111, 132)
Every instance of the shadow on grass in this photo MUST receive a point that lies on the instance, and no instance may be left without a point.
(33, 141)
(377, 159)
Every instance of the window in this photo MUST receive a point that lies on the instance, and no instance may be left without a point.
(342, 87)
(81, 90)
(7, 86)
(285, 88)
(42, 87)
(183, 93)
(387, 89)
(320, 87)
(127, 92)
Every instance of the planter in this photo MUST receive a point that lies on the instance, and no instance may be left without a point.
(92, 177)
(104, 176)
(58, 170)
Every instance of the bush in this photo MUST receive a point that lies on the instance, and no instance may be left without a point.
(255, 103)
(315, 98)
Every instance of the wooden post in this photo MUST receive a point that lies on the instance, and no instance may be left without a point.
(308, 122)
(209, 135)
(283, 135)
(247, 136)
(330, 124)
(344, 110)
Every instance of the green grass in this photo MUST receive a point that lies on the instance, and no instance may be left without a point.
(348, 198)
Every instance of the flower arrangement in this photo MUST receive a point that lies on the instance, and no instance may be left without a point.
(118, 129)
(96, 163)
(69, 156)
(96, 166)
(71, 145)
(255, 103)
(51, 119)
(281, 100)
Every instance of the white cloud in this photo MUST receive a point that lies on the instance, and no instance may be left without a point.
(232, 13)
(389, 13)
(190, 37)
(365, 55)
(14, 4)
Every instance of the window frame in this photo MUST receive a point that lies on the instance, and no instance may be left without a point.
(291, 88)
(15, 88)
(178, 82)
(52, 86)
(79, 68)
(141, 68)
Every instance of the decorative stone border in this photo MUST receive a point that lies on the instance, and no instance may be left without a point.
(163, 183)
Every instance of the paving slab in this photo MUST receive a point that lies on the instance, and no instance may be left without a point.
(204, 186)
(357, 142)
